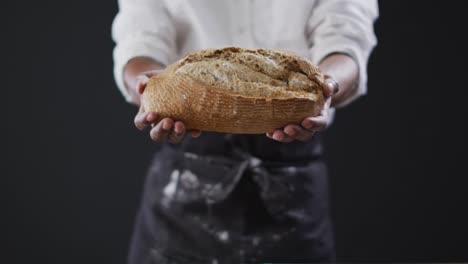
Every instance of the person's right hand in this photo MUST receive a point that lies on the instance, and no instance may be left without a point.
(165, 130)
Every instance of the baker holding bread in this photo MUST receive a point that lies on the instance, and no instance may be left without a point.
(237, 94)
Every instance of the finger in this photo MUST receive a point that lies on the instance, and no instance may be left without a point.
(140, 120)
(317, 123)
(151, 118)
(280, 136)
(308, 124)
(160, 132)
(291, 130)
(269, 134)
(298, 132)
(144, 119)
(141, 109)
(195, 133)
(177, 134)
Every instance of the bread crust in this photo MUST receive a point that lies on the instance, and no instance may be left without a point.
(236, 90)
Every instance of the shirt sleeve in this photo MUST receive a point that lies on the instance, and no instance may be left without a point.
(344, 26)
(141, 28)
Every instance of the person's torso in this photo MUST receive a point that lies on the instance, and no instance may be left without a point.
(275, 24)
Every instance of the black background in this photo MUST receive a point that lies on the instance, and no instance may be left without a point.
(75, 164)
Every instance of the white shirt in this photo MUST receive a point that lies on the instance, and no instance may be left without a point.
(165, 30)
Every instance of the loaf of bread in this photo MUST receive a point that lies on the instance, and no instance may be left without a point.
(236, 90)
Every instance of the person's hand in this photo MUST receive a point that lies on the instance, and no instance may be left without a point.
(309, 125)
(164, 130)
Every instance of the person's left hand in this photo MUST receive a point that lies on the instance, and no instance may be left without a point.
(309, 125)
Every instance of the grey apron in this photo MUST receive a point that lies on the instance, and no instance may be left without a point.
(234, 199)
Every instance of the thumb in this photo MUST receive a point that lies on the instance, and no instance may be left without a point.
(142, 80)
(331, 86)
(152, 73)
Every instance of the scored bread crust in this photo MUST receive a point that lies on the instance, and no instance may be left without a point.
(236, 90)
